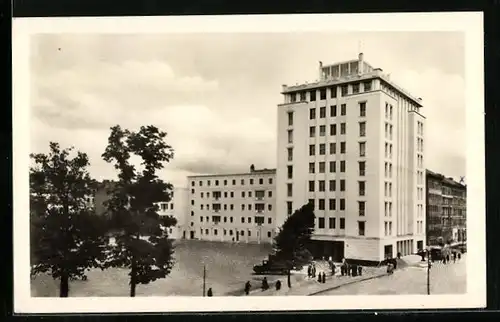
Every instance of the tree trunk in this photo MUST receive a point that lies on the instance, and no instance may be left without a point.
(133, 278)
(288, 280)
(64, 285)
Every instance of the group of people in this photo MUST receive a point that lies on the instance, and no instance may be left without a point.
(347, 269)
(455, 255)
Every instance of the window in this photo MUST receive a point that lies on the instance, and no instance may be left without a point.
(290, 172)
(332, 185)
(333, 110)
(201, 218)
(290, 118)
(362, 128)
(361, 208)
(231, 207)
(312, 131)
(342, 223)
(242, 233)
(322, 130)
(368, 86)
(302, 96)
(342, 166)
(192, 202)
(225, 182)
(390, 112)
(322, 94)
(362, 168)
(230, 219)
(234, 182)
(289, 189)
(321, 204)
(311, 186)
(269, 220)
(269, 208)
(321, 223)
(268, 234)
(242, 182)
(361, 228)
(312, 149)
(312, 114)
(216, 182)
(342, 109)
(270, 194)
(342, 128)
(355, 88)
(201, 183)
(293, 97)
(251, 181)
(331, 223)
(249, 218)
(270, 180)
(243, 194)
(250, 194)
(322, 167)
(192, 183)
(231, 194)
(342, 147)
(322, 185)
(362, 149)
(333, 129)
(243, 218)
(333, 92)
(261, 181)
(311, 167)
(322, 149)
(225, 194)
(290, 154)
(333, 166)
(289, 207)
(192, 213)
(208, 182)
(206, 231)
(333, 148)
(322, 112)
(215, 232)
(208, 194)
(343, 90)
(312, 95)
(342, 185)
(290, 136)
(332, 204)
(362, 109)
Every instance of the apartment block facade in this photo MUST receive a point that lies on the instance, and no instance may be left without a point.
(446, 212)
(178, 208)
(236, 208)
(352, 144)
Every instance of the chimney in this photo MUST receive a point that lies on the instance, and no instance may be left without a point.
(321, 76)
(360, 63)
(252, 168)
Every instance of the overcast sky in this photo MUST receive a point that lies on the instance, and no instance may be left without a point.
(216, 94)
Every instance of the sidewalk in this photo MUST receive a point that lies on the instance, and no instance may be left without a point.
(306, 286)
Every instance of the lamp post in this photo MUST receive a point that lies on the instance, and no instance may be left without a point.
(204, 278)
(428, 271)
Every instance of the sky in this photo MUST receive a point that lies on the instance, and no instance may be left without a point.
(216, 95)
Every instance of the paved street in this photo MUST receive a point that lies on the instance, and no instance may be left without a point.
(228, 267)
(444, 279)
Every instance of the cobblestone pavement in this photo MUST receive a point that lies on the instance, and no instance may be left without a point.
(444, 279)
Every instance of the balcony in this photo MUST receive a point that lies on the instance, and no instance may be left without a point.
(259, 195)
(259, 220)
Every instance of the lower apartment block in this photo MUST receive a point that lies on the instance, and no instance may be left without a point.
(237, 208)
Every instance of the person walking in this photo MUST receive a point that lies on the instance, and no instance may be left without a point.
(324, 278)
(265, 285)
(320, 277)
(278, 285)
(247, 287)
(454, 257)
(210, 293)
(309, 271)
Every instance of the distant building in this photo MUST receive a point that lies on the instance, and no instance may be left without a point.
(236, 207)
(352, 143)
(446, 211)
(178, 208)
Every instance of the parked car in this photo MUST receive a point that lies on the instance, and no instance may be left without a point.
(271, 267)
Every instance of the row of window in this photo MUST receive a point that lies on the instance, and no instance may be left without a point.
(420, 145)
(225, 232)
(420, 211)
(388, 189)
(166, 206)
(388, 150)
(420, 227)
(217, 219)
(420, 161)
(420, 177)
(420, 194)
(420, 128)
(387, 170)
(333, 129)
(322, 186)
(218, 194)
(331, 223)
(217, 207)
(225, 182)
(332, 186)
(388, 209)
(311, 95)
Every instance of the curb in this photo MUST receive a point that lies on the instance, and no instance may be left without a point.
(348, 283)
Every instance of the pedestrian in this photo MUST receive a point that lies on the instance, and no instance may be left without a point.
(309, 271)
(459, 255)
(210, 292)
(319, 277)
(448, 258)
(332, 266)
(454, 257)
(360, 270)
(313, 271)
(324, 278)
(265, 285)
(278, 285)
(247, 287)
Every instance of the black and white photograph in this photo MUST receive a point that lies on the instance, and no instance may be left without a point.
(289, 162)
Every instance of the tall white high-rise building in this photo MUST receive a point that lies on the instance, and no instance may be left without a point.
(352, 144)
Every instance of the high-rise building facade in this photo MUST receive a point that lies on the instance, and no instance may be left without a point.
(178, 208)
(233, 207)
(352, 143)
(446, 212)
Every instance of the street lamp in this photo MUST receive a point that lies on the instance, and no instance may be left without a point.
(204, 278)
(428, 271)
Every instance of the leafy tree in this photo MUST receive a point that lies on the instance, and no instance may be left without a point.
(142, 242)
(66, 234)
(290, 244)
